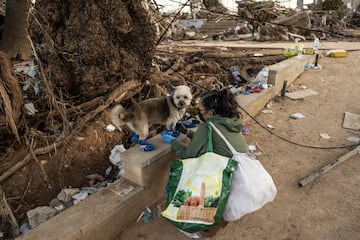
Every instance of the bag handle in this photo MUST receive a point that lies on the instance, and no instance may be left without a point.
(228, 144)
(210, 144)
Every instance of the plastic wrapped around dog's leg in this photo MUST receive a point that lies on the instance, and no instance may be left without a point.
(169, 135)
(147, 147)
(144, 146)
(134, 137)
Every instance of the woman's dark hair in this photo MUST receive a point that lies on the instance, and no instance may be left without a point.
(222, 102)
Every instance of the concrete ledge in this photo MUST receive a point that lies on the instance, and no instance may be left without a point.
(104, 215)
(287, 70)
(98, 217)
(143, 167)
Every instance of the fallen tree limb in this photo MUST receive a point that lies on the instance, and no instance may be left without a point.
(328, 167)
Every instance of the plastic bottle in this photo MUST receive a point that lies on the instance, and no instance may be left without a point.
(316, 50)
(261, 79)
(299, 48)
(264, 75)
(316, 44)
(236, 75)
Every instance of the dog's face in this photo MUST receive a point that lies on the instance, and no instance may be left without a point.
(182, 96)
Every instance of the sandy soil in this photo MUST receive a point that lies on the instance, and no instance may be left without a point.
(328, 208)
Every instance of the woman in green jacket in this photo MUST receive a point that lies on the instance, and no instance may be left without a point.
(221, 108)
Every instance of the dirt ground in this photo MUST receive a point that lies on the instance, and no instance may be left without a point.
(329, 207)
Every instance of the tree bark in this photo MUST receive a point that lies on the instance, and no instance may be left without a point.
(14, 41)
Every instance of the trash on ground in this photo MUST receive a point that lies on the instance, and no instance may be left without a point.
(312, 66)
(40, 215)
(252, 147)
(30, 109)
(195, 235)
(351, 121)
(147, 215)
(59, 207)
(353, 139)
(324, 136)
(237, 90)
(293, 49)
(66, 194)
(80, 195)
(301, 94)
(236, 75)
(27, 68)
(24, 228)
(245, 131)
(261, 79)
(267, 111)
(115, 155)
(297, 116)
(336, 53)
(110, 128)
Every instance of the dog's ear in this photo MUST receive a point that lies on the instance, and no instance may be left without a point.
(194, 88)
(171, 87)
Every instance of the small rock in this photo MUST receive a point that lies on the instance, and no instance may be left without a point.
(40, 215)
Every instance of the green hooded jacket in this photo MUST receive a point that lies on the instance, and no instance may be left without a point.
(229, 127)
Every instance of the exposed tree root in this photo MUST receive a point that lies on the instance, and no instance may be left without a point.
(6, 213)
(11, 94)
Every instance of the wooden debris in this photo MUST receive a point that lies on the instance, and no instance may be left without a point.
(312, 177)
(300, 94)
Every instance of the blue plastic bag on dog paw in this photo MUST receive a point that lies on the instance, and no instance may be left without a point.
(168, 135)
(147, 147)
(190, 124)
(134, 137)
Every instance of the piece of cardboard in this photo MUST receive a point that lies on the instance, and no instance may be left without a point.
(301, 94)
(351, 121)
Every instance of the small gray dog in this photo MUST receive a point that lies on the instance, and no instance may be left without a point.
(166, 110)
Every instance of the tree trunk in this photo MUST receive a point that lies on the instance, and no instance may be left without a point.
(14, 40)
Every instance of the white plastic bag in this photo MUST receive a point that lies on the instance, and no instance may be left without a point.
(251, 189)
(252, 186)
